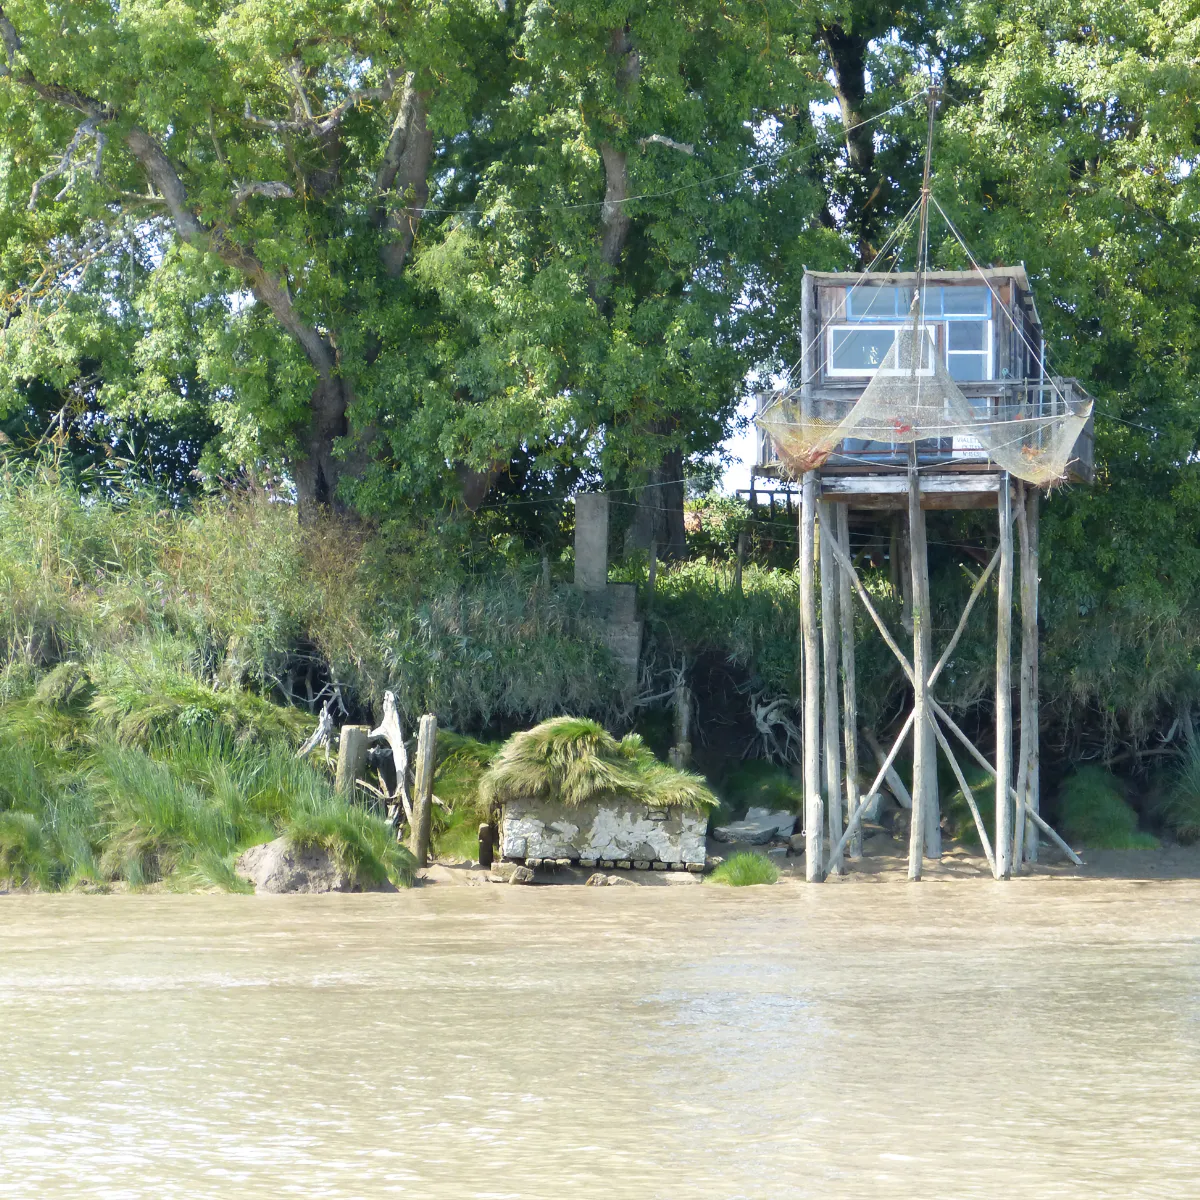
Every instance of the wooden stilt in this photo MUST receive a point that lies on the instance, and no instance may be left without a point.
(831, 750)
(849, 682)
(1004, 686)
(1028, 782)
(813, 866)
(920, 594)
(1024, 687)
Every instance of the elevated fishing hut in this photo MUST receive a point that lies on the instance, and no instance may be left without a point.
(921, 390)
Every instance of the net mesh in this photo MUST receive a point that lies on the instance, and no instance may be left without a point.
(1030, 431)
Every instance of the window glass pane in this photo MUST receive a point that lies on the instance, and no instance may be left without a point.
(874, 302)
(860, 349)
(931, 301)
(967, 335)
(967, 366)
(966, 301)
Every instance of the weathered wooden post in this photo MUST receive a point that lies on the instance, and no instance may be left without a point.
(487, 844)
(352, 758)
(812, 675)
(1025, 833)
(423, 788)
(920, 613)
(849, 684)
(831, 742)
(741, 560)
(1004, 844)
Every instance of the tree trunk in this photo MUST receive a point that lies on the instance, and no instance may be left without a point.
(317, 472)
(659, 515)
(848, 60)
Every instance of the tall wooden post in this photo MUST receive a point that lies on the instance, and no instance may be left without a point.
(743, 540)
(920, 613)
(1004, 844)
(830, 741)
(849, 683)
(1028, 783)
(812, 677)
(352, 758)
(423, 788)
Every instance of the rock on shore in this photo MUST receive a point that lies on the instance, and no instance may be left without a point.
(280, 866)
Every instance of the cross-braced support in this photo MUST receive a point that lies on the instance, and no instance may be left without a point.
(1017, 818)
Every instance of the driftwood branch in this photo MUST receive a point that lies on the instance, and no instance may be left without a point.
(390, 731)
(322, 735)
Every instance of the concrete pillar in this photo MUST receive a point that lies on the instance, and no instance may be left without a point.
(591, 541)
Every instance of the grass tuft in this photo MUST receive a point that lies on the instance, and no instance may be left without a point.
(745, 870)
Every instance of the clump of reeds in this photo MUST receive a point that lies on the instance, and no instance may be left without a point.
(745, 869)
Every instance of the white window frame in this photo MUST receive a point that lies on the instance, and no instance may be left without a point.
(871, 372)
(989, 348)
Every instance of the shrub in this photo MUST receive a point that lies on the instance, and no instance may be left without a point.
(1092, 810)
(745, 870)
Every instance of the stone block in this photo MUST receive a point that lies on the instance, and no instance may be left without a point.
(603, 832)
(591, 541)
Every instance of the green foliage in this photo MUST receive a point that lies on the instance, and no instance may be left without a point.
(153, 696)
(176, 811)
(574, 761)
(759, 784)
(1092, 809)
(1179, 809)
(744, 869)
(956, 812)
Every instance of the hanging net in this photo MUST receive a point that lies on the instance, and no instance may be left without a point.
(1030, 431)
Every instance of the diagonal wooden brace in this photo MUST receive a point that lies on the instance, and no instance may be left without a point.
(1037, 819)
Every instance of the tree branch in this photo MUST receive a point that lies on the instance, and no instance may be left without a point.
(404, 172)
(67, 165)
(320, 126)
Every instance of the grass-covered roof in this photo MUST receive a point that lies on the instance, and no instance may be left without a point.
(575, 761)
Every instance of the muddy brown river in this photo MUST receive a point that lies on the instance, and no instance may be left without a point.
(1040, 1040)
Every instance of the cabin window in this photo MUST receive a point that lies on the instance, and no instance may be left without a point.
(957, 318)
(860, 349)
(969, 349)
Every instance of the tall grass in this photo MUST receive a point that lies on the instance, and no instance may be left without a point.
(176, 811)
(1179, 810)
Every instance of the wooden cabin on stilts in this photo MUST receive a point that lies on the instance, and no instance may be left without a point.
(921, 390)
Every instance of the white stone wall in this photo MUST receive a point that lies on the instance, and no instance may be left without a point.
(614, 830)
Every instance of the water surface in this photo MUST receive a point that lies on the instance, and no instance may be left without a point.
(1039, 1039)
